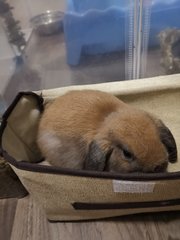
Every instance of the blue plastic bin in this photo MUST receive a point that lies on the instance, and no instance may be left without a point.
(98, 26)
(165, 14)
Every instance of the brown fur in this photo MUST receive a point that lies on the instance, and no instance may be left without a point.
(97, 131)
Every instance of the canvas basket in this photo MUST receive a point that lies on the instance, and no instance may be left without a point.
(71, 195)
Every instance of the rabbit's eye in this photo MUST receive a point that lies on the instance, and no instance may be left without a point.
(125, 152)
(127, 155)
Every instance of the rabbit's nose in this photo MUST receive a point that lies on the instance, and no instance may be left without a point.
(161, 167)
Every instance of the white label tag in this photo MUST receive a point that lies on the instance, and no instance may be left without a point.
(132, 186)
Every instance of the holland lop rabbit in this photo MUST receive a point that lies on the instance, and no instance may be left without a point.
(94, 130)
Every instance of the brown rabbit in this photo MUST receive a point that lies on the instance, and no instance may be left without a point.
(94, 130)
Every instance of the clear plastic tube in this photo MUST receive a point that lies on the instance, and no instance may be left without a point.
(138, 21)
(130, 41)
(145, 36)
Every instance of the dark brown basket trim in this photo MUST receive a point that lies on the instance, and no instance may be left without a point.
(32, 167)
(125, 205)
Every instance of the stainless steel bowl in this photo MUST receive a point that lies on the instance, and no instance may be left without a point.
(48, 23)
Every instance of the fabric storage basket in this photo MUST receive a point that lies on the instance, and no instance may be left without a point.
(68, 195)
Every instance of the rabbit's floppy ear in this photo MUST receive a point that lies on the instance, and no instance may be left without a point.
(97, 156)
(168, 141)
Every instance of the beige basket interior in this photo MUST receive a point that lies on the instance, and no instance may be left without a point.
(160, 96)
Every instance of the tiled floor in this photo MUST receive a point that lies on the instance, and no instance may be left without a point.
(46, 67)
(46, 64)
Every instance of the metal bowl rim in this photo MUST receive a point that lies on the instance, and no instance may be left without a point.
(53, 15)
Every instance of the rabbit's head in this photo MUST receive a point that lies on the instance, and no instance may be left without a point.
(131, 140)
